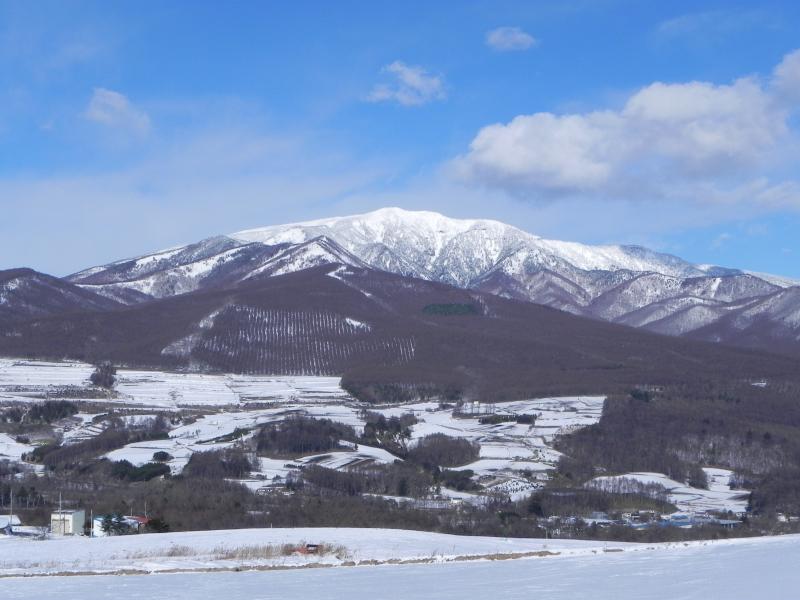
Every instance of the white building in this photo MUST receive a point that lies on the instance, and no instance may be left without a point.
(67, 522)
(7, 522)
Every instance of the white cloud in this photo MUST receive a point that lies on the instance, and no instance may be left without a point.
(112, 109)
(705, 128)
(786, 77)
(693, 139)
(412, 86)
(507, 39)
(544, 150)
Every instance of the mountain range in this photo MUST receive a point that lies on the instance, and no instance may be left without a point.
(408, 304)
(629, 285)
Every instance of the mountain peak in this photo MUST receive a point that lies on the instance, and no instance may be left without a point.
(371, 223)
(430, 245)
(627, 284)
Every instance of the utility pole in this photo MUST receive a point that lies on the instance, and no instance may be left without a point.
(61, 524)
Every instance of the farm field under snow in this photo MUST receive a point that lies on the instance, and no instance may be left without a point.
(25, 380)
(731, 570)
(508, 448)
(718, 497)
(224, 403)
(221, 404)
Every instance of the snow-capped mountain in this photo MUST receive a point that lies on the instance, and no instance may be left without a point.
(461, 251)
(213, 263)
(625, 284)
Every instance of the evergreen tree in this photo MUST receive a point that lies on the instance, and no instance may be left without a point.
(104, 375)
(107, 524)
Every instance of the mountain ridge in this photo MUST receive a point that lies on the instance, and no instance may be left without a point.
(626, 284)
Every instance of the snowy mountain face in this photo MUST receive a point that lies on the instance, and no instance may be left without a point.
(460, 251)
(171, 272)
(624, 284)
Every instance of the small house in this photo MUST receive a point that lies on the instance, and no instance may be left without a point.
(67, 522)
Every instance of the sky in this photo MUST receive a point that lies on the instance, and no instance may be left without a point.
(128, 127)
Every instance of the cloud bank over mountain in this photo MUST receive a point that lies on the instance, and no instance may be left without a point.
(668, 141)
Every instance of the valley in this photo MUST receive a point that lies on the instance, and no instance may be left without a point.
(208, 413)
(157, 425)
(399, 300)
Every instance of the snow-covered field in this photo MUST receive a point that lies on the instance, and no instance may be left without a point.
(12, 449)
(23, 380)
(718, 497)
(202, 550)
(221, 404)
(509, 448)
(743, 569)
(506, 449)
(509, 444)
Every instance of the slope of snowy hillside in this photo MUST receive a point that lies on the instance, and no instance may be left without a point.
(222, 404)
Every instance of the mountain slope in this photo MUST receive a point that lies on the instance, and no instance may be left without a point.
(625, 284)
(26, 293)
(381, 329)
(771, 322)
(214, 262)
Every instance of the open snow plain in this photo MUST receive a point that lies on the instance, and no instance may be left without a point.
(743, 569)
(263, 548)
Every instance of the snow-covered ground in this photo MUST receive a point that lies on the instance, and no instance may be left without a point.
(203, 550)
(718, 497)
(508, 445)
(226, 403)
(12, 449)
(221, 404)
(742, 569)
(40, 374)
(23, 380)
(80, 427)
(506, 449)
(203, 434)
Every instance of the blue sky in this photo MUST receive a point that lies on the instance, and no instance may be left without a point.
(127, 127)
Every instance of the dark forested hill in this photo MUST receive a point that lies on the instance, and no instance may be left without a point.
(380, 329)
(26, 293)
